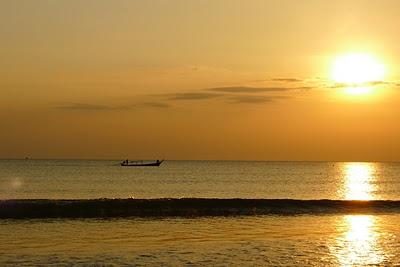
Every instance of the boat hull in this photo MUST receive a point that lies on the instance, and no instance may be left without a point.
(149, 164)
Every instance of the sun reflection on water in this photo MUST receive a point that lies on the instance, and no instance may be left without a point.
(358, 181)
(359, 244)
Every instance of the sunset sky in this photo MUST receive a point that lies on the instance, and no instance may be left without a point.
(233, 80)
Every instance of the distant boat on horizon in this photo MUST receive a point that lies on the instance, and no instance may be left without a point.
(140, 163)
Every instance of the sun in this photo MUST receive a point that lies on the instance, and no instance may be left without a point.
(357, 69)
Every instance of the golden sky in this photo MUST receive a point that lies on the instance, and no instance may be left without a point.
(241, 80)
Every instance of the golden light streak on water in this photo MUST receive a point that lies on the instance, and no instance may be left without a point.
(359, 245)
(358, 181)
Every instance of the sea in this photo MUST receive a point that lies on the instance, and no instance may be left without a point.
(303, 239)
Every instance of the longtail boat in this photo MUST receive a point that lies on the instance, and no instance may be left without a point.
(141, 163)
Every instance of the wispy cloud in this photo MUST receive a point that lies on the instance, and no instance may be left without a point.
(281, 80)
(288, 80)
(84, 107)
(371, 83)
(155, 104)
(230, 94)
(246, 89)
(254, 99)
(96, 107)
(237, 94)
(193, 96)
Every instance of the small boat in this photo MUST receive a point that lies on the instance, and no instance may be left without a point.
(139, 163)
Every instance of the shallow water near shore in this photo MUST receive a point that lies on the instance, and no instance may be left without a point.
(331, 240)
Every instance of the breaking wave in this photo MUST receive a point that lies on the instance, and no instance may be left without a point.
(186, 207)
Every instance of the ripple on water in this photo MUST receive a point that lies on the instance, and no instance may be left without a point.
(333, 240)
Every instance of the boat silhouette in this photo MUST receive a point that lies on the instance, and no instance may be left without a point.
(140, 163)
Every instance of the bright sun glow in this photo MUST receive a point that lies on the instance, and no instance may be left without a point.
(356, 69)
(358, 90)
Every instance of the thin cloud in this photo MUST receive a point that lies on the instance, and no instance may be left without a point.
(96, 107)
(371, 83)
(303, 88)
(84, 107)
(288, 80)
(155, 105)
(254, 99)
(193, 96)
(246, 89)
(337, 85)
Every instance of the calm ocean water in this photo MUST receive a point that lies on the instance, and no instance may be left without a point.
(77, 179)
(306, 240)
